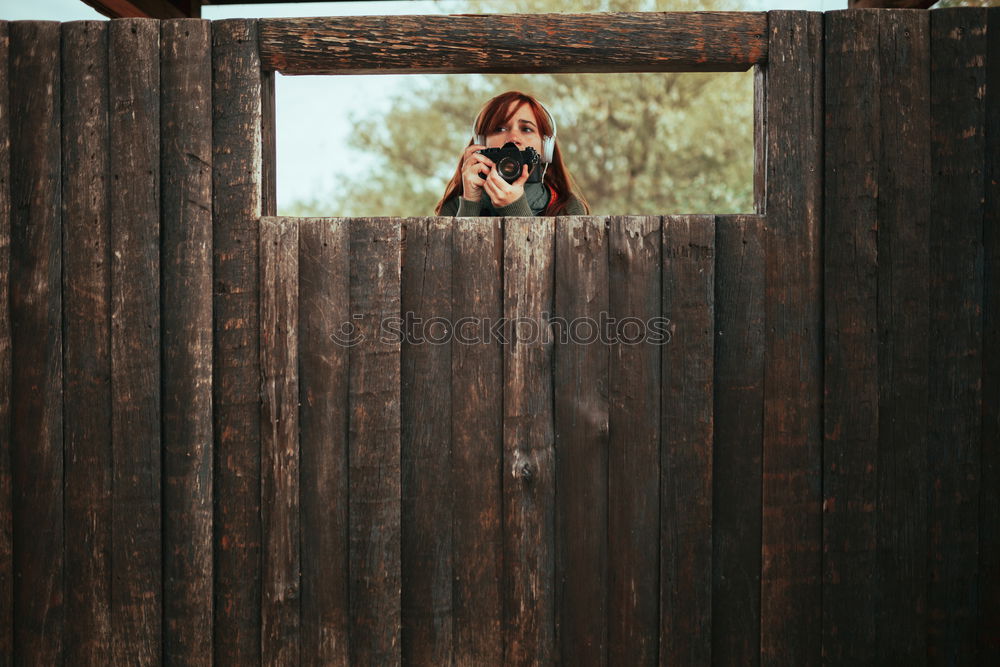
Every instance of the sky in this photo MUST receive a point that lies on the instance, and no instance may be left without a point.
(314, 112)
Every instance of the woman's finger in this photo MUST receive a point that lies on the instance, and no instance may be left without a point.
(524, 176)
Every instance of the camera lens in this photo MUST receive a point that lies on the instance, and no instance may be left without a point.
(509, 168)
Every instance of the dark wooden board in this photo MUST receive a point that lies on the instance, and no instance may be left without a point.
(6, 491)
(581, 412)
(791, 623)
(736, 458)
(269, 144)
(477, 441)
(686, 418)
(989, 504)
(851, 373)
(86, 287)
(36, 444)
(426, 446)
(620, 42)
(374, 437)
(904, 220)
(236, 207)
(529, 457)
(634, 298)
(324, 349)
(279, 321)
(954, 416)
(134, 160)
(186, 254)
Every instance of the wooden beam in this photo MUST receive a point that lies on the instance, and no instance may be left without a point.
(520, 43)
(155, 9)
(890, 4)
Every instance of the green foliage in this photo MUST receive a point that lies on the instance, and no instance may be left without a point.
(642, 143)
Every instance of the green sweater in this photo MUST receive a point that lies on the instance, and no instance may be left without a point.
(460, 206)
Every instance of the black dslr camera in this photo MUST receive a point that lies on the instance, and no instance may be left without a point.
(509, 160)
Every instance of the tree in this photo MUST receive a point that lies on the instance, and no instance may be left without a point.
(642, 143)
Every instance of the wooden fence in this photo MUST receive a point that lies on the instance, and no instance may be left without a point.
(201, 461)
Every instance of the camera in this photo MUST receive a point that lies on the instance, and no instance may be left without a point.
(509, 160)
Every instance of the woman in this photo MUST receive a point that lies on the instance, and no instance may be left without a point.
(477, 189)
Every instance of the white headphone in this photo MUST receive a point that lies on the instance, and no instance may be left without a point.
(548, 143)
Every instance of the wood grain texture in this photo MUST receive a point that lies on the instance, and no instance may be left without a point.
(279, 321)
(86, 228)
(134, 160)
(791, 623)
(851, 375)
(634, 301)
(581, 412)
(687, 374)
(904, 220)
(236, 207)
(529, 457)
(989, 504)
(269, 144)
(186, 254)
(522, 43)
(759, 138)
(477, 441)
(954, 417)
(6, 397)
(324, 349)
(374, 441)
(36, 443)
(736, 457)
(426, 447)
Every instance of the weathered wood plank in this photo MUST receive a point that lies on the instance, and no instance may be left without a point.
(374, 436)
(791, 620)
(736, 458)
(6, 399)
(954, 416)
(523, 43)
(86, 289)
(759, 138)
(903, 223)
(477, 441)
(687, 373)
(529, 457)
(134, 160)
(581, 357)
(989, 517)
(634, 301)
(186, 206)
(851, 374)
(426, 447)
(236, 206)
(279, 321)
(324, 348)
(36, 443)
(269, 144)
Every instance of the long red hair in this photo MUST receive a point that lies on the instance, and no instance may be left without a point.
(497, 112)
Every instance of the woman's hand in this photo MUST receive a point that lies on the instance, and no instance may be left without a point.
(502, 193)
(473, 166)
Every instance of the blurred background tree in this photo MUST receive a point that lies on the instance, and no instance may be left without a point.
(638, 143)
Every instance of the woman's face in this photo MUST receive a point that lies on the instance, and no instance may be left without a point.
(522, 129)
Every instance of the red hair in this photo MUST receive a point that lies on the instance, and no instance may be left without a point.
(497, 112)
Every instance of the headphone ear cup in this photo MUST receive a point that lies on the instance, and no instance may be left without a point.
(548, 148)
